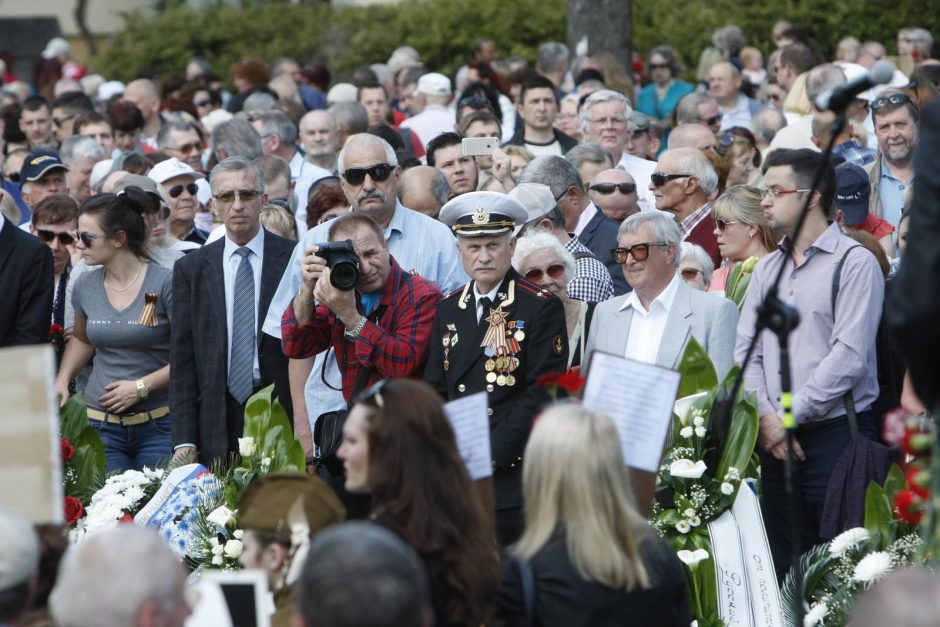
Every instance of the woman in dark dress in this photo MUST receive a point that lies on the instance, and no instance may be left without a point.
(594, 560)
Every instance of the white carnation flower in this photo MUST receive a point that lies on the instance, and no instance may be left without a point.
(848, 539)
(217, 560)
(872, 567)
(698, 421)
(686, 432)
(689, 512)
(727, 489)
(683, 526)
(815, 614)
(695, 521)
(700, 431)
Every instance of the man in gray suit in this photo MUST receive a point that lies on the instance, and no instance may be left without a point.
(654, 322)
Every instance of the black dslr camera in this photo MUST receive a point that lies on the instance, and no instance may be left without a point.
(343, 262)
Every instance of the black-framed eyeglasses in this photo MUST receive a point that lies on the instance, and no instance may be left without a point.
(640, 252)
(66, 239)
(609, 188)
(474, 102)
(723, 224)
(373, 393)
(659, 66)
(891, 99)
(176, 190)
(659, 179)
(554, 271)
(378, 173)
(245, 195)
(188, 148)
(715, 119)
(87, 239)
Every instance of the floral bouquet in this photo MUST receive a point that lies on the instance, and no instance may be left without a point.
(567, 384)
(704, 466)
(835, 572)
(121, 497)
(82, 454)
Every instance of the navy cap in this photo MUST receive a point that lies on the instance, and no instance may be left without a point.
(38, 164)
(475, 214)
(853, 190)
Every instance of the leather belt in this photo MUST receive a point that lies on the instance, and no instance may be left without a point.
(129, 420)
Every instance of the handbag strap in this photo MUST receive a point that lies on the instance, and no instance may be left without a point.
(847, 399)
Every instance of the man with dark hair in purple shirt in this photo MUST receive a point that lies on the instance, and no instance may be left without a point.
(832, 350)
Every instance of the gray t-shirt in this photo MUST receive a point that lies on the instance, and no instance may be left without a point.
(124, 349)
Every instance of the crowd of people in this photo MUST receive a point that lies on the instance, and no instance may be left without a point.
(183, 246)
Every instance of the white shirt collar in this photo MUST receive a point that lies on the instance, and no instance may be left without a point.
(586, 216)
(256, 245)
(2, 219)
(665, 298)
(491, 294)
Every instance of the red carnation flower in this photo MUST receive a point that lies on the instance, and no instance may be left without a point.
(571, 381)
(916, 478)
(74, 510)
(909, 508)
(66, 450)
(547, 380)
(126, 519)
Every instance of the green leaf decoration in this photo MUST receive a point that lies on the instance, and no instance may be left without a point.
(741, 436)
(698, 373)
(878, 513)
(814, 565)
(894, 482)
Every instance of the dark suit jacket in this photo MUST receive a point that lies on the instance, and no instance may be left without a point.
(544, 349)
(199, 346)
(914, 308)
(600, 235)
(27, 276)
(704, 235)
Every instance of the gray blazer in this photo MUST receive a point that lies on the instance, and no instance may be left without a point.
(711, 319)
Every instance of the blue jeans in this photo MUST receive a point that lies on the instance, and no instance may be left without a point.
(132, 448)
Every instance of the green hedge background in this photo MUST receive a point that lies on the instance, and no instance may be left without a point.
(444, 30)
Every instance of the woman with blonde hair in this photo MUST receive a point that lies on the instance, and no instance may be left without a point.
(592, 557)
(742, 230)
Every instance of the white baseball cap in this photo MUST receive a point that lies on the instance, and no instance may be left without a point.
(171, 168)
(434, 84)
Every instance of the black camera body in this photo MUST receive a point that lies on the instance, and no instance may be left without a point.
(343, 262)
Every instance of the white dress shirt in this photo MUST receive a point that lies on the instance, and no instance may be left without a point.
(491, 295)
(230, 263)
(647, 326)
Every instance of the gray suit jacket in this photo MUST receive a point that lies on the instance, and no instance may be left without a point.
(711, 319)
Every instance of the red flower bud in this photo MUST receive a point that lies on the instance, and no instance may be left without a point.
(66, 450)
(909, 507)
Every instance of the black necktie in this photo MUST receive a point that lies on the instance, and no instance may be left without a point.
(485, 303)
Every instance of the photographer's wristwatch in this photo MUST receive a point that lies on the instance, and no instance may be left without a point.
(353, 333)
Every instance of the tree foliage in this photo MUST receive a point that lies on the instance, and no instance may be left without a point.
(443, 31)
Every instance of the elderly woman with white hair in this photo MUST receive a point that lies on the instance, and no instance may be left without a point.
(541, 259)
(695, 266)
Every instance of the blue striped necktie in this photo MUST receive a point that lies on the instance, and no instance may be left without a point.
(241, 367)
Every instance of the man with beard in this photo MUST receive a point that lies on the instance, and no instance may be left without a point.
(895, 117)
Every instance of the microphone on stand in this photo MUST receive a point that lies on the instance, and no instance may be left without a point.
(842, 96)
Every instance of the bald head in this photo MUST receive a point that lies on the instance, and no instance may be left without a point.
(317, 134)
(607, 193)
(692, 136)
(724, 83)
(143, 93)
(424, 189)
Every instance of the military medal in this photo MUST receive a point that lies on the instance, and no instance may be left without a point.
(501, 380)
(519, 335)
(490, 365)
(446, 341)
(490, 377)
(510, 380)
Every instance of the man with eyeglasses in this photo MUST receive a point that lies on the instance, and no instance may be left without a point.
(607, 120)
(614, 193)
(699, 108)
(221, 293)
(181, 141)
(55, 220)
(65, 109)
(420, 244)
(653, 323)
(833, 369)
(682, 185)
(498, 334)
(177, 181)
(896, 118)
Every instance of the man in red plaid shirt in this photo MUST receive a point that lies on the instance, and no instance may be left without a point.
(381, 329)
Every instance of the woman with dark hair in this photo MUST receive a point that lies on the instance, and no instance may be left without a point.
(122, 325)
(398, 445)
(659, 98)
(127, 122)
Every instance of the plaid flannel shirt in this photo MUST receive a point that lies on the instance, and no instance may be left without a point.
(591, 280)
(394, 345)
(688, 225)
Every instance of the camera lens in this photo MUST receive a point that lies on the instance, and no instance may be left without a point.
(344, 275)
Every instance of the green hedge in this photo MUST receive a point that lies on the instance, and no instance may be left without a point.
(444, 30)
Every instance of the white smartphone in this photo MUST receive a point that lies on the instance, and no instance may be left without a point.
(479, 146)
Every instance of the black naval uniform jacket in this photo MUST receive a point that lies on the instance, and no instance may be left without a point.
(456, 338)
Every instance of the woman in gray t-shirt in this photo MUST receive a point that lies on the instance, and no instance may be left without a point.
(122, 323)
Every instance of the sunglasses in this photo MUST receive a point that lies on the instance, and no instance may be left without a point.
(726, 142)
(245, 195)
(474, 102)
(640, 252)
(608, 188)
(659, 179)
(374, 393)
(715, 119)
(176, 190)
(202, 103)
(188, 148)
(659, 66)
(723, 224)
(555, 271)
(66, 239)
(87, 239)
(690, 274)
(378, 173)
(891, 99)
